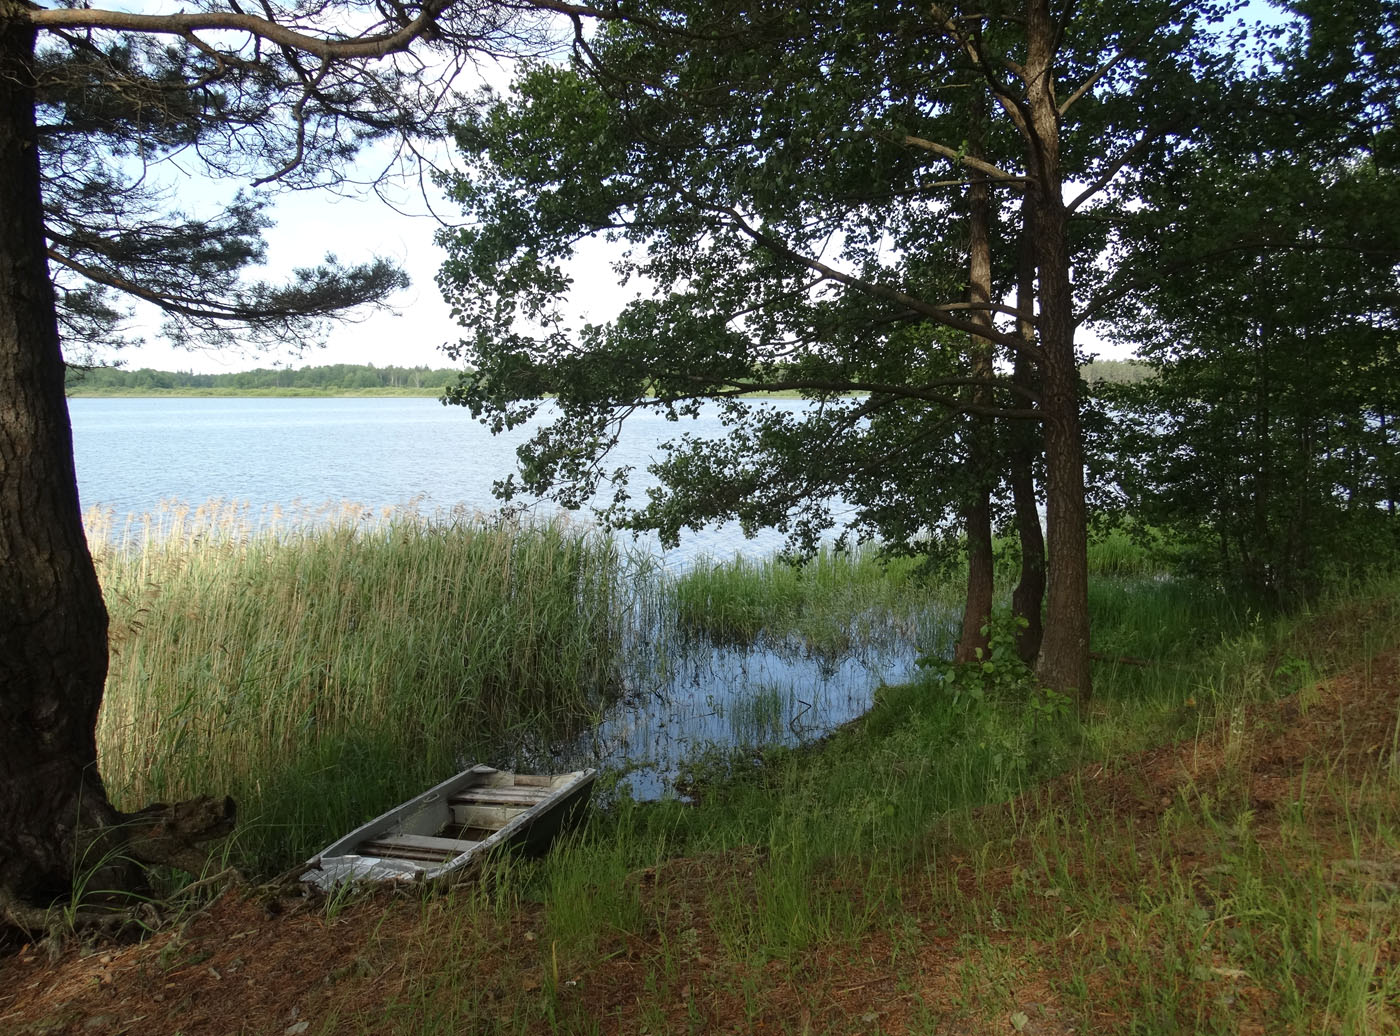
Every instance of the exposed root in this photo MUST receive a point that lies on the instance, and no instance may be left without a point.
(160, 835)
(53, 923)
(227, 876)
(167, 835)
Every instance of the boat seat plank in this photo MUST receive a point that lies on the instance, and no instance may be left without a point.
(415, 846)
(500, 796)
(535, 780)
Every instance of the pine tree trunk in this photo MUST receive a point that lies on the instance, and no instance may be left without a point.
(53, 625)
(1028, 598)
(977, 513)
(1064, 652)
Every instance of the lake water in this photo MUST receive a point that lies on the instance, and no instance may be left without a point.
(133, 453)
(293, 454)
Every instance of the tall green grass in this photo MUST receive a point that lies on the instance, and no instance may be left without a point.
(834, 602)
(320, 673)
(794, 853)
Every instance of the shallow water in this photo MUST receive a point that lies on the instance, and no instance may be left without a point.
(686, 697)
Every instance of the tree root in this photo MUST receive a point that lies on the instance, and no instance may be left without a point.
(166, 835)
(227, 876)
(50, 925)
(158, 835)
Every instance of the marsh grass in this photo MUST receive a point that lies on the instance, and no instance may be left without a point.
(835, 602)
(320, 673)
(971, 844)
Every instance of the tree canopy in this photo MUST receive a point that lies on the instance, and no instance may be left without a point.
(1259, 278)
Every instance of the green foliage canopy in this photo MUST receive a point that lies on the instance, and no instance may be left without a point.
(1265, 297)
(787, 185)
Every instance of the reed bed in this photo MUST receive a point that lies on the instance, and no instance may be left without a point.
(320, 672)
(835, 602)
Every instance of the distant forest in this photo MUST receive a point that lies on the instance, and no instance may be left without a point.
(1115, 372)
(332, 378)
(356, 378)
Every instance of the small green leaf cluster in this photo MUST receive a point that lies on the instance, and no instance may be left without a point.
(998, 672)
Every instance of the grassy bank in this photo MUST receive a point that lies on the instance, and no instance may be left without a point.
(1211, 848)
(982, 864)
(320, 673)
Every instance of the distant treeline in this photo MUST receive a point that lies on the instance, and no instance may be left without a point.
(356, 378)
(1115, 372)
(336, 377)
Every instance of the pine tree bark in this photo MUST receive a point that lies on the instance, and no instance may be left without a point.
(977, 512)
(54, 813)
(1063, 664)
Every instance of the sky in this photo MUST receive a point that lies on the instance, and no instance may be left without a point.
(413, 329)
(355, 230)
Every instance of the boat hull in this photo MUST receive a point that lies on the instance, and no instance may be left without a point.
(453, 826)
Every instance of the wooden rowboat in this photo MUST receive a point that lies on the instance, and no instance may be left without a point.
(455, 824)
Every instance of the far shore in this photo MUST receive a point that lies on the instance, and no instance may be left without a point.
(306, 393)
(430, 391)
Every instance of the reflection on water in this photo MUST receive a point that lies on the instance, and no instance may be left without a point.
(686, 696)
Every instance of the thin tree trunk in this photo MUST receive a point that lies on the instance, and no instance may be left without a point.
(1064, 652)
(977, 612)
(53, 625)
(1028, 599)
(977, 512)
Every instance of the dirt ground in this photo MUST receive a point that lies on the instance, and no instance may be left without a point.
(252, 964)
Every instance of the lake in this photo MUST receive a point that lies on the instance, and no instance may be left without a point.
(377, 453)
(302, 454)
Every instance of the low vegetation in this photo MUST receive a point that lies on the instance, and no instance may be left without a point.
(1207, 852)
(1211, 848)
(832, 603)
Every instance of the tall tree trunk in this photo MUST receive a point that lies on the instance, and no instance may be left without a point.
(1028, 598)
(1064, 652)
(977, 512)
(53, 625)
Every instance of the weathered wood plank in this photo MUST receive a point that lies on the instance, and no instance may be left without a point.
(413, 846)
(490, 817)
(504, 797)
